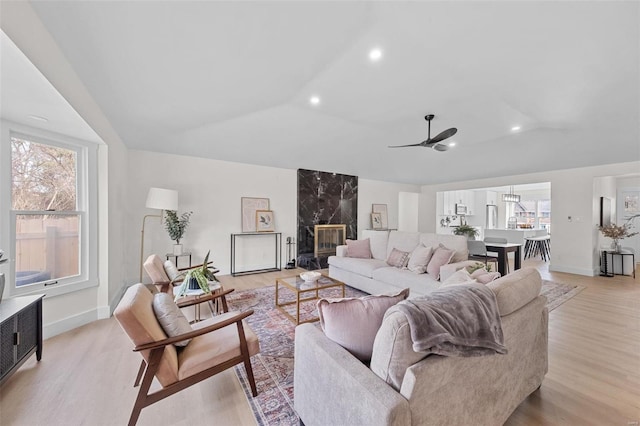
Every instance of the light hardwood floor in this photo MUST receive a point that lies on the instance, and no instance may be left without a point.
(86, 375)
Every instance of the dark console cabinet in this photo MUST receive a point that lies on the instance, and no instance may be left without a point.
(20, 332)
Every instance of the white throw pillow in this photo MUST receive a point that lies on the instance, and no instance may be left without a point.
(170, 317)
(171, 270)
(461, 276)
(419, 259)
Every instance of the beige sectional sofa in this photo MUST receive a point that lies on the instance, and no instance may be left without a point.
(375, 276)
(402, 387)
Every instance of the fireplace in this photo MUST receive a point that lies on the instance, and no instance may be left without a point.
(326, 238)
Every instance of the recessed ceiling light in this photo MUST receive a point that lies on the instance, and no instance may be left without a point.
(38, 118)
(515, 128)
(375, 54)
(314, 100)
(452, 144)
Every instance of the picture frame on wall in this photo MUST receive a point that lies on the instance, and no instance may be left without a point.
(376, 221)
(382, 209)
(249, 207)
(265, 221)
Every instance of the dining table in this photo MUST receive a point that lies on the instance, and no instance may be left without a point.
(503, 250)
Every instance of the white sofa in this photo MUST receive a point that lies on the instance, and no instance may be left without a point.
(375, 276)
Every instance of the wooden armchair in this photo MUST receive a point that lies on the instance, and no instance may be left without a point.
(161, 276)
(216, 345)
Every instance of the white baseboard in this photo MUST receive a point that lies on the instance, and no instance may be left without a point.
(570, 270)
(69, 323)
(78, 320)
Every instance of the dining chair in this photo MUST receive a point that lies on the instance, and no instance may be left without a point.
(216, 344)
(497, 240)
(478, 251)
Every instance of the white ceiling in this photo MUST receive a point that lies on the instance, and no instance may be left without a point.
(231, 81)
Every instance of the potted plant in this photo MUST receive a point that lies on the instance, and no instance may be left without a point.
(469, 231)
(202, 275)
(176, 227)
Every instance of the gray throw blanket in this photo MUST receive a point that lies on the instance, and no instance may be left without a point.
(459, 320)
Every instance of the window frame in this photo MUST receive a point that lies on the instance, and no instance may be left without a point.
(86, 209)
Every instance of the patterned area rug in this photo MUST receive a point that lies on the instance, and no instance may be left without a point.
(273, 367)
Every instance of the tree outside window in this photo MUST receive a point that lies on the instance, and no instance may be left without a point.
(44, 198)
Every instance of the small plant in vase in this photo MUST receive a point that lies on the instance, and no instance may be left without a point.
(176, 227)
(202, 275)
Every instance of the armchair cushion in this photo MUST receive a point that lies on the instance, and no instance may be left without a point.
(155, 269)
(212, 349)
(353, 322)
(170, 317)
(171, 270)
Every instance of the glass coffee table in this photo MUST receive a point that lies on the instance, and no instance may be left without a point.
(299, 287)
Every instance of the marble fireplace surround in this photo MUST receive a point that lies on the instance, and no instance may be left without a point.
(324, 198)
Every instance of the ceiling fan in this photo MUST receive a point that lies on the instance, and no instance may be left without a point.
(435, 142)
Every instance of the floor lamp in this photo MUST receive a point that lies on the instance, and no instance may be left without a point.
(162, 199)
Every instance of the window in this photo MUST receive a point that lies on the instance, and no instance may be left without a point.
(533, 214)
(52, 217)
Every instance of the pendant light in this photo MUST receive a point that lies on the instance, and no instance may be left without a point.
(510, 197)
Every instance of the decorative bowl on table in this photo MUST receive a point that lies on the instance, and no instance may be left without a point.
(310, 276)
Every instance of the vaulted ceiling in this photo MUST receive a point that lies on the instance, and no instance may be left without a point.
(232, 81)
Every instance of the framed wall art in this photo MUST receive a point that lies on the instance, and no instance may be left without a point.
(249, 207)
(376, 222)
(264, 221)
(382, 209)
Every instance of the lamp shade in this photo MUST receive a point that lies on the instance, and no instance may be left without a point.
(163, 199)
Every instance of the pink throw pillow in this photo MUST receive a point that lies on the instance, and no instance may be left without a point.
(359, 248)
(441, 257)
(484, 277)
(398, 258)
(354, 322)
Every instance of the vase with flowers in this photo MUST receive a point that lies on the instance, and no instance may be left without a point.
(617, 233)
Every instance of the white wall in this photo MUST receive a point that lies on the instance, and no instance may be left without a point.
(574, 243)
(378, 192)
(212, 190)
(408, 204)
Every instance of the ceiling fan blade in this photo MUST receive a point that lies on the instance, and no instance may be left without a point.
(443, 135)
(404, 146)
(441, 147)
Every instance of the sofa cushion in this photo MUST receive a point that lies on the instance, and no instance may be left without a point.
(461, 276)
(515, 290)
(359, 249)
(441, 256)
(419, 284)
(403, 241)
(397, 258)
(378, 242)
(353, 322)
(454, 242)
(419, 259)
(393, 349)
(364, 267)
